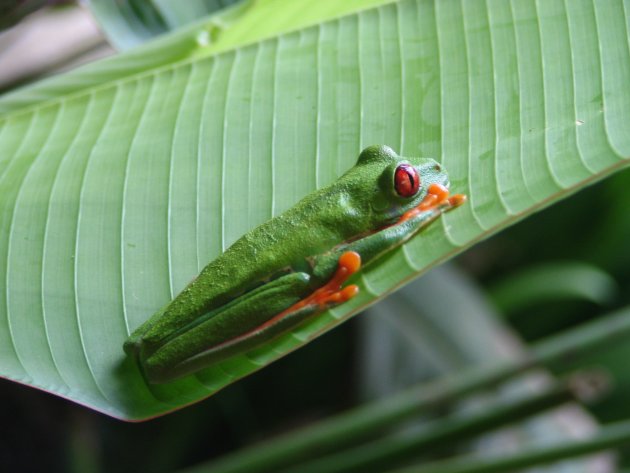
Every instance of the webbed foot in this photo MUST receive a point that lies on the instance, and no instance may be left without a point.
(331, 293)
(437, 196)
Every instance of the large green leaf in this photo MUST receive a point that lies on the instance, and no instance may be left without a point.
(121, 180)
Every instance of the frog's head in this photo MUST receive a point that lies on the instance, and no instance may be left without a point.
(401, 183)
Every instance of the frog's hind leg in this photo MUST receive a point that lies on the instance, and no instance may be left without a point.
(329, 295)
(251, 320)
(332, 293)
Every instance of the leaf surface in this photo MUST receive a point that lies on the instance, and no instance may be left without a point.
(121, 180)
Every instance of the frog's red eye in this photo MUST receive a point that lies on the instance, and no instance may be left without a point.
(406, 180)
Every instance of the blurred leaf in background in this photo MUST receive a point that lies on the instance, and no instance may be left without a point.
(412, 337)
(51, 40)
(13, 11)
(128, 23)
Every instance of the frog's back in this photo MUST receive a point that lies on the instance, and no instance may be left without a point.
(278, 244)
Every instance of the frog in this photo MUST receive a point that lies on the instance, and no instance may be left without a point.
(294, 266)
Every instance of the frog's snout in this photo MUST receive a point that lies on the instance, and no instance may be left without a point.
(445, 181)
(442, 178)
(434, 173)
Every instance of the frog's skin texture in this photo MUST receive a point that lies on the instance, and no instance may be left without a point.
(294, 265)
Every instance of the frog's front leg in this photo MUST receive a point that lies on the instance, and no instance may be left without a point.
(437, 201)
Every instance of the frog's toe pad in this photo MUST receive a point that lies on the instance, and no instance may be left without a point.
(331, 293)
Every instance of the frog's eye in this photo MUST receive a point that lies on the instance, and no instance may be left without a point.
(406, 180)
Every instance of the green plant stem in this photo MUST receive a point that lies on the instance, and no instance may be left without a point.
(360, 423)
(377, 455)
(610, 436)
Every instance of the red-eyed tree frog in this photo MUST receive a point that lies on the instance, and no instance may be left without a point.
(294, 265)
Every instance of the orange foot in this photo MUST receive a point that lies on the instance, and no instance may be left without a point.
(331, 292)
(437, 194)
